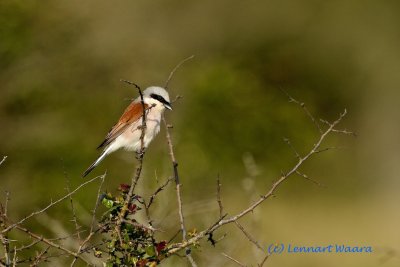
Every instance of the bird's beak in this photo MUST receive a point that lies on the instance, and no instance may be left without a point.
(168, 106)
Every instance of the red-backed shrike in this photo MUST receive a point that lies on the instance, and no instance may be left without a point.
(127, 132)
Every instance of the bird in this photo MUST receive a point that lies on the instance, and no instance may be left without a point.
(127, 132)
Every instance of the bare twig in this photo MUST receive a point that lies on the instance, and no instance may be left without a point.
(91, 231)
(254, 241)
(233, 259)
(51, 243)
(176, 177)
(178, 190)
(34, 243)
(303, 106)
(249, 237)
(175, 69)
(15, 258)
(308, 178)
(39, 257)
(264, 260)
(159, 189)
(175, 165)
(12, 226)
(96, 205)
(6, 203)
(221, 209)
(3, 222)
(152, 197)
(6, 245)
(74, 218)
(174, 236)
(139, 225)
(287, 141)
(4, 159)
(327, 149)
(190, 259)
(344, 131)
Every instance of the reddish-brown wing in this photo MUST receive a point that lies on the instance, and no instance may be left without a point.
(131, 114)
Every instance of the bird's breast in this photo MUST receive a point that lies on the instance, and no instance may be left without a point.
(130, 139)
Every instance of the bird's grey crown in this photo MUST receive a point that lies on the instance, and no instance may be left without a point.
(157, 91)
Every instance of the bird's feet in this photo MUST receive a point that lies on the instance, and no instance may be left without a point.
(140, 154)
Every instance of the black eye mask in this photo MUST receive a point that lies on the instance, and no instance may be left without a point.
(159, 98)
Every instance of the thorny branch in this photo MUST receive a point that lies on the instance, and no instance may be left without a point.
(175, 167)
(138, 171)
(74, 218)
(91, 231)
(51, 243)
(249, 237)
(178, 191)
(221, 222)
(12, 226)
(39, 257)
(4, 237)
(303, 106)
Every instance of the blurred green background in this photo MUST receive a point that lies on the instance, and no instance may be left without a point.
(60, 66)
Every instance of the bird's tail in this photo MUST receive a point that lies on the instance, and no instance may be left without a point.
(102, 156)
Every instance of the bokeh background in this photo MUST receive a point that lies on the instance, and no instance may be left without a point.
(60, 66)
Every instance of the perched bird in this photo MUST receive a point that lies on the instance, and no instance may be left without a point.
(127, 131)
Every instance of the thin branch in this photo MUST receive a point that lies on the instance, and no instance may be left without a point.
(303, 106)
(39, 257)
(34, 243)
(74, 218)
(159, 189)
(176, 177)
(3, 222)
(96, 205)
(287, 141)
(49, 205)
(249, 237)
(152, 197)
(309, 179)
(327, 149)
(178, 190)
(51, 243)
(15, 258)
(344, 131)
(264, 260)
(174, 236)
(4, 159)
(221, 209)
(233, 259)
(91, 232)
(175, 69)
(144, 227)
(6, 203)
(190, 259)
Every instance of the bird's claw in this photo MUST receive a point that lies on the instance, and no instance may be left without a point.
(139, 154)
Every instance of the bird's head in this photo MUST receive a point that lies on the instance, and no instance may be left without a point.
(157, 95)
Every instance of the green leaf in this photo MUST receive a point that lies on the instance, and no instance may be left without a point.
(150, 251)
(107, 202)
